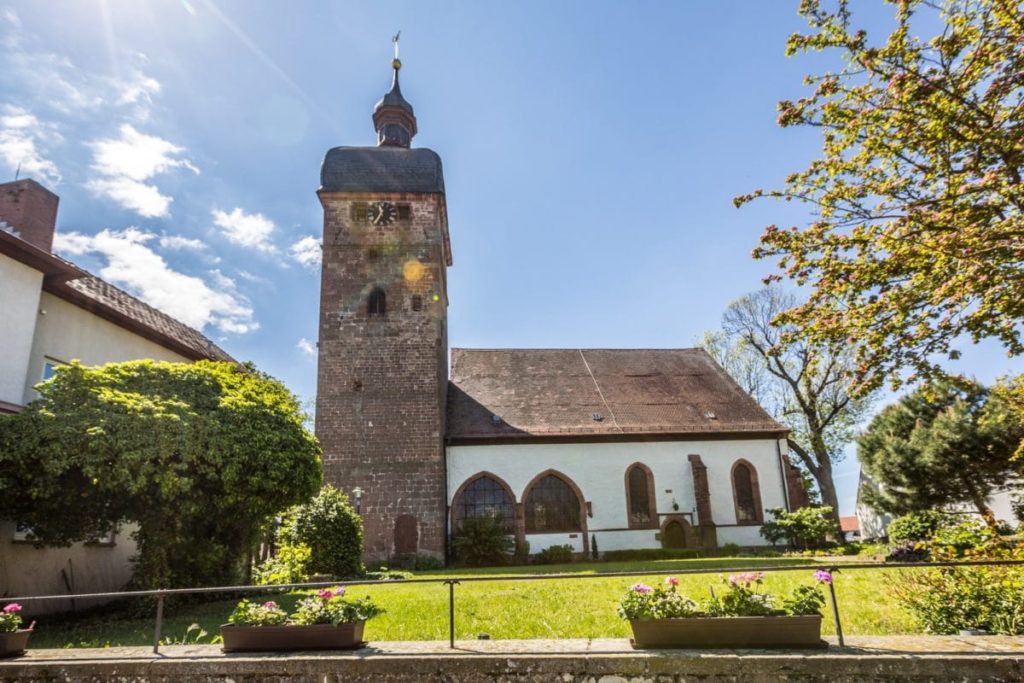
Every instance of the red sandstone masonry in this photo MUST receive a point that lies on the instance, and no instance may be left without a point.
(382, 381)
(31, 209)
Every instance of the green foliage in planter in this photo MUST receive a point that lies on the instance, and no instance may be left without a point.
(644, 602)
(200, 455)
(742, 597)
(331, 607)
(253, 614)
(289, 565)
(556, 554)
(10, 620)
(329, 525)
(806, 527)
(915, 526)
(483, 541)
(804, 600)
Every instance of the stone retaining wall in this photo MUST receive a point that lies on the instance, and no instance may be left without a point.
(599, 661)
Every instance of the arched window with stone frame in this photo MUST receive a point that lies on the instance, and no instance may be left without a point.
(377, 302)
(481, 495)
(641, 504)
(746, 493)
(552, 503)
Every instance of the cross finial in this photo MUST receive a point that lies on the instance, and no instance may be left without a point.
(394, 39)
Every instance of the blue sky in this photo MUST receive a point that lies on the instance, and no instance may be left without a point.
(591, 153)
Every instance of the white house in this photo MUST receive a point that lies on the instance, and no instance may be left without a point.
(634, 448)
(51, 312)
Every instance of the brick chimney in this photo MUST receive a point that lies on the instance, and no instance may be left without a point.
(31, 210)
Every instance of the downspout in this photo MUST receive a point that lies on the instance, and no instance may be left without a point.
(782, 471)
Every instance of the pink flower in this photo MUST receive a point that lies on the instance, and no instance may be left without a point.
(640, 588)
(745, 579)
(270, 604)
(12, 608)
(338, 591)
(822, 576)
(326, 594)
(672, 581)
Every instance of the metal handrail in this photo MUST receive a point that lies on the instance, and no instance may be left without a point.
(451, 581)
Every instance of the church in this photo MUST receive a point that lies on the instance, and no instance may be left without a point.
(625, 448)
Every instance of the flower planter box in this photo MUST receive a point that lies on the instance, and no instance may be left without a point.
(730, 632)
(278, 638)
(14, 643)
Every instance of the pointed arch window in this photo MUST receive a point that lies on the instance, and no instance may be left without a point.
(552, 506)
(483, 496)
(377, 302)
(640, 501)
(746, 493)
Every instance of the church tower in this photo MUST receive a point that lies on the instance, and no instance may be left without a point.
(383, 372)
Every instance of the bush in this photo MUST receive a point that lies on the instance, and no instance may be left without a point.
(806, 527)
(729, 549)
(915, 526)
(594, 554)
(556, 554)
(483, 541)
(908, 552)
(329, 525)
(289, 565)
(971, 536)
(948, 599)
(640, 554)
(417, 562)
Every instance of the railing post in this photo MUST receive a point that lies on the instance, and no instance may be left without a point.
(835, 605)
(159, 623)
(451, 611)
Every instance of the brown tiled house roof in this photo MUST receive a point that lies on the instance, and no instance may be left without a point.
(108, 301)
(509, 394)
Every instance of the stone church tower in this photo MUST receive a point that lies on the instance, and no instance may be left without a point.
(383, 372)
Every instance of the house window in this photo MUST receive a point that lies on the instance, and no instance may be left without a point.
(746, 495)
(377, 303)
(640, 498)
(552, 506)
(483, 496)
(22, 532)
(50, 367)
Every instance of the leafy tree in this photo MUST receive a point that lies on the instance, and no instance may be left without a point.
(917, 199)
(199, 455)
(333, 531)
(804, 386)
(947, 442)
(806, 527)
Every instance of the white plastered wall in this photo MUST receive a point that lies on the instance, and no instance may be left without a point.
(65, 332)
(599, 470)
(20, 286)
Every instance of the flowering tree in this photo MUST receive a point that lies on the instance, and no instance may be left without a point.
(200, 456)
(917, 200)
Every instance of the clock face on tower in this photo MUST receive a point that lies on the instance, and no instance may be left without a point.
(381, 213)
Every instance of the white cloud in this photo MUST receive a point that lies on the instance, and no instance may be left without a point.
(137, 89)
(21, 137)
(179, 243)
(130, 263)
(307, 251)
(129, 160)
(307, 347)
(251, 230)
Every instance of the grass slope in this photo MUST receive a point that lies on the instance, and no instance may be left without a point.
(578, 608)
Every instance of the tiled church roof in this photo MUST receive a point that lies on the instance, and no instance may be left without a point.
(381, 169)
(509, 394)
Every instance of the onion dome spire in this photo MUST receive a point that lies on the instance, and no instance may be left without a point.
(393, 117)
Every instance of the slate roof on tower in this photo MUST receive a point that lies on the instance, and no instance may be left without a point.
(512, 394)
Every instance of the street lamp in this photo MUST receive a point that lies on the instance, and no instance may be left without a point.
(358, 493)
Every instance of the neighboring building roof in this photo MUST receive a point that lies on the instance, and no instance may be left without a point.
(511, 394)
(67, 281)
(108, 301)
(850, 523)
(381, 169)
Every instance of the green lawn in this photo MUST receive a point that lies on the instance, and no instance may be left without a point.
(577, 608)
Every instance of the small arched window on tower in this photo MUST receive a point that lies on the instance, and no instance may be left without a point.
(377, 303)
(746, 493)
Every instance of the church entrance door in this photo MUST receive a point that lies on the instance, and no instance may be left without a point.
(406, 535)
(674, 535)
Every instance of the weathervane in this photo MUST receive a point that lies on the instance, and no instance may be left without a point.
(394, 39)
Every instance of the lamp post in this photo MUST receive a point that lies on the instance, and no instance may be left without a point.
(358, 493)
